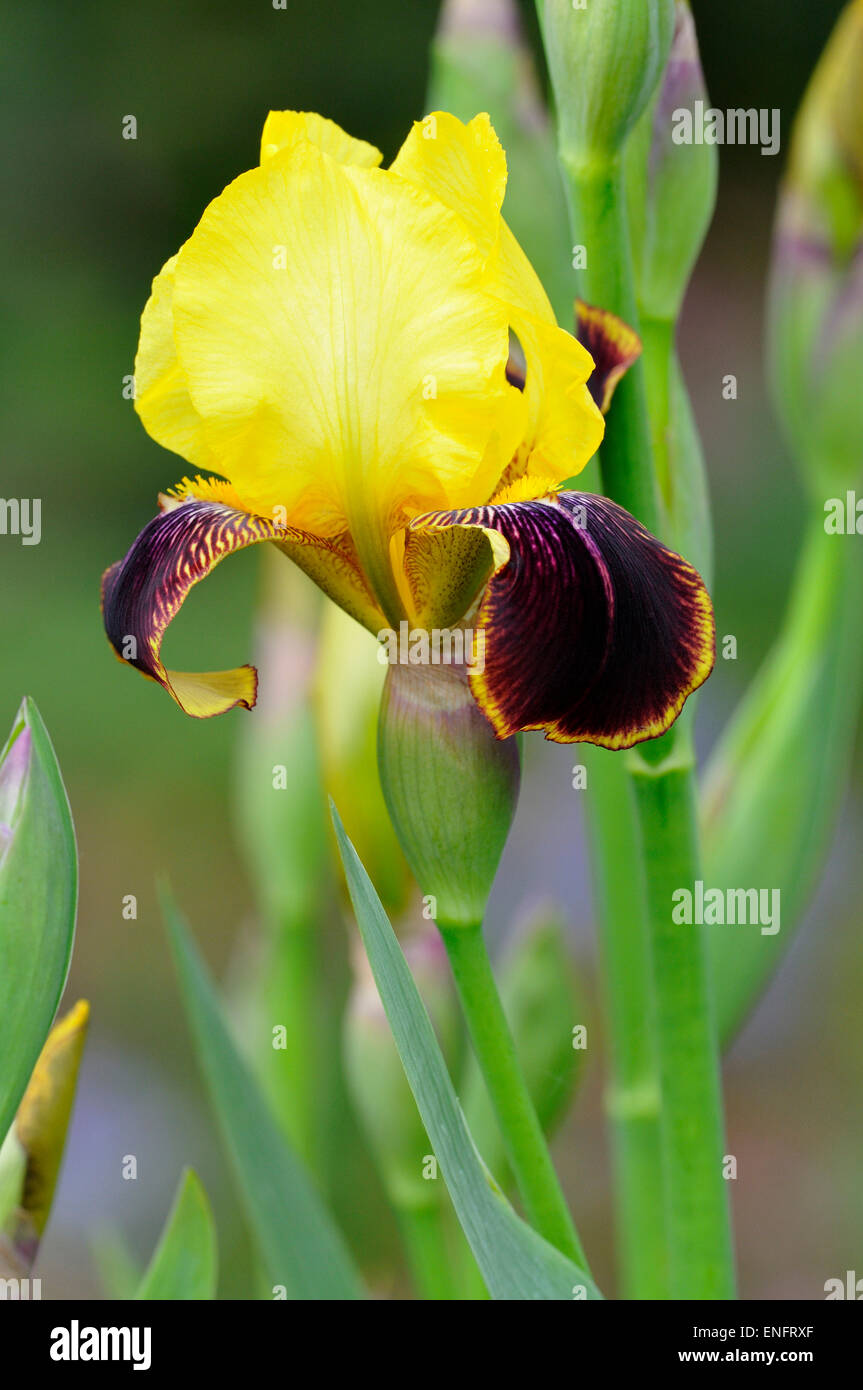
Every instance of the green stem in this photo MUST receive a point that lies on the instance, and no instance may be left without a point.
(522, 1134)
(598, 210)
(657, 336)
(632, 1097)
(696, 1197)
(431, 1265)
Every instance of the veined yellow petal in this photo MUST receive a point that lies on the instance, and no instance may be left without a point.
(283, 128)
(333, 328)
(161, 395)
(565, 426)
(463, 166)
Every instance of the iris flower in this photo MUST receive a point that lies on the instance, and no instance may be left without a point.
(361, 367)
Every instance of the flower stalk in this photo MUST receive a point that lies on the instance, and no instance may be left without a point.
(520, 1128)
(451, 789)
(632, 1098)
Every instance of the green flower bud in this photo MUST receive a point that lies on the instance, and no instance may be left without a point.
(543, 1008)
(33, 1149)
(816, 295)
(671, 186)
(605, 58)
(451, 787)
(38, 897)
(375, 1077)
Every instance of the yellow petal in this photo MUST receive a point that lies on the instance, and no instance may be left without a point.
(43, 1116)
(283, 128)
(565, 426)
(463, 166)
(446, 572)
(161, 395)
(333, 328)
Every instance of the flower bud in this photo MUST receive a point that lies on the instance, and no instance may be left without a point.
(816, 294)
(605, 58)
(33, 1149)
(450, 786)
(13, 774)
(38, 897)
(671, 184)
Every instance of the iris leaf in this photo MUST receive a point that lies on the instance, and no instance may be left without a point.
(302, 1249)
(184, 1262)
(516, 1263)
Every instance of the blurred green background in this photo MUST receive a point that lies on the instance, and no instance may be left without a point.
(89, 219)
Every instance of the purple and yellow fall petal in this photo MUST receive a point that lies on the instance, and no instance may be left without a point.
(612, 344)
(142, 593)
(593, 630)
(194, 531)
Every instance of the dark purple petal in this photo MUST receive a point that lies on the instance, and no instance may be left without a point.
(593, 630)
(612, 344)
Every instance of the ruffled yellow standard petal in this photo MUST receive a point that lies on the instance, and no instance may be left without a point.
(465, 167)
(283, 128)
(336, 337)
(161, 394)
(561, 427)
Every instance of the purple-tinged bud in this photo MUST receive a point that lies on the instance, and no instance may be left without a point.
(816, 292)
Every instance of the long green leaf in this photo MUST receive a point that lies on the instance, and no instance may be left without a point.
(38, 898)
(301, 1247)
(184, 1263)
(516, 1263)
